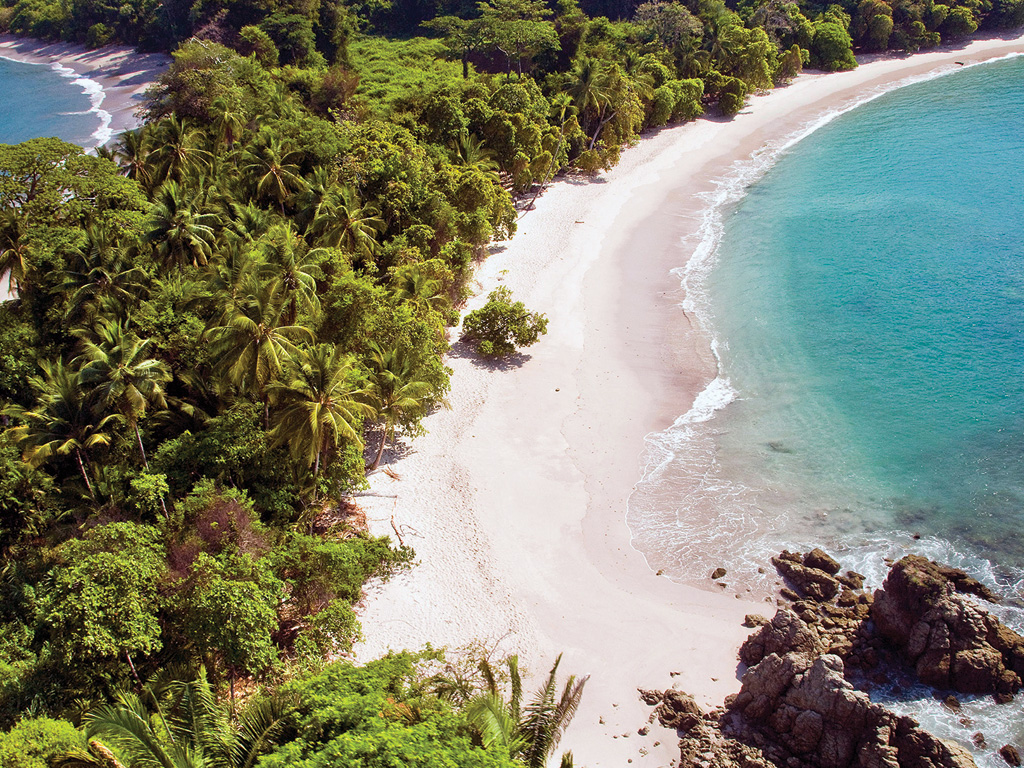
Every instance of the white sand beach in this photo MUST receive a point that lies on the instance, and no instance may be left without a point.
(515, 500)
(123, 73)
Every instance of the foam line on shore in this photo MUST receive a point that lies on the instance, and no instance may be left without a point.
(114, 78)
(664, 446)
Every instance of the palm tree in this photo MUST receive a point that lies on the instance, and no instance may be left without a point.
(398, 395)
(415, 285)
(471, 152)
(252, 344)
(274, 171)
(289, 270)
(319, 406)
(179, 232)
(228, 120)
(177, 153)
(187, 728)
(590, 88)
(530, 735)
(106, 276)
(124, 377)
(61, 423)
(131, 152)
(13, 250)
(343, 221)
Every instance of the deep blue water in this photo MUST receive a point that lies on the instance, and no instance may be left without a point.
(865, 296)
(42, 101)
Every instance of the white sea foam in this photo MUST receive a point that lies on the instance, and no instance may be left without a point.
(97, 95)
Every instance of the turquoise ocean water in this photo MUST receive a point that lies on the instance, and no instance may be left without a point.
(44, 100)
(863, 288)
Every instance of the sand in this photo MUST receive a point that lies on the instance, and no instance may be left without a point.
(515, 499)
(123, 73)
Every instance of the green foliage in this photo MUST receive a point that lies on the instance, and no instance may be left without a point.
(227, 610)
(831, 47)
(374, 717)
(33, 742)
(258, 43)
(501, 325)
(102, 602)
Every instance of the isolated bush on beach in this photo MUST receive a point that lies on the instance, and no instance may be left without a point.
(501, 325)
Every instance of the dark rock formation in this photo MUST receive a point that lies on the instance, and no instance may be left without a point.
(808, 581)
(718, 573)
(1010, 754)
(677, 710)
(802, 711)
(819, 559)
(796, 708)
(950, 642)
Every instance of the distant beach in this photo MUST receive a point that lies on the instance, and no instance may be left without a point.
(515, 501)
(114, 77)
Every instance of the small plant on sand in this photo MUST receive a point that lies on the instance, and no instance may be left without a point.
(501, 325)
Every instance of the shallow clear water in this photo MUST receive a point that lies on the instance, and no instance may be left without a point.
(865, 298)
(40, 100)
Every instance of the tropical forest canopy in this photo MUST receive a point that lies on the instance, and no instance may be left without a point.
(222, 321)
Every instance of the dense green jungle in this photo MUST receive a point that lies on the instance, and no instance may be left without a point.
(220, 323)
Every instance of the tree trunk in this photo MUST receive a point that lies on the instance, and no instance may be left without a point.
(142, 451)
(145, 463)
(380, 450)
(465, 66)
(81, 468)
(601, 121)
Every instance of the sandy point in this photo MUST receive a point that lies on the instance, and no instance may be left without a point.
(122, 72)
(515, 500)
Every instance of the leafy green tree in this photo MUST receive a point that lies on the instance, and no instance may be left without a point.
(518, 29)
(102, 600)
(831, 47)
(959, 23)
(258, 43)
(228, 612)
(34, 741)
(48, 181)
(462, 37)
(671, 24)
(501, 325)
(377, 716)
(61, 423)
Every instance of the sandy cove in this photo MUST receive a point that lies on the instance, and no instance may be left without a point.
(122, 72)
(515, 500)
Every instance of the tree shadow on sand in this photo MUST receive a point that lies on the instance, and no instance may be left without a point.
(467, 350)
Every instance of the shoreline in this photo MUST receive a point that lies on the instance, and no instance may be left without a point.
(515, 500)
(121, 76)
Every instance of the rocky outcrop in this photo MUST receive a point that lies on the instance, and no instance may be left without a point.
(796, 707)
(807, 580)
(949, 641)
(801, 711)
